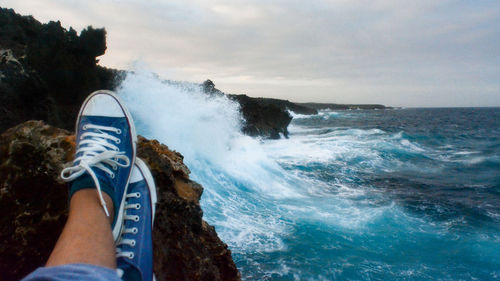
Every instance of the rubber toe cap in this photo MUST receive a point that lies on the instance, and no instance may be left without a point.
(103, 105)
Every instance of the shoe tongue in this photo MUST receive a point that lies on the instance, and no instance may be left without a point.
(86, 181)
(104, 181)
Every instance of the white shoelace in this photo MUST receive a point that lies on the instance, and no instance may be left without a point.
(97, 152)
(132, 230)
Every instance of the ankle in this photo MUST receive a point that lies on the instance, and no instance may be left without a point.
(88, 199)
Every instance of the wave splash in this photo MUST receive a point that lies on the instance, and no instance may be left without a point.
(307, 207)
(240, 180)
(248, 196)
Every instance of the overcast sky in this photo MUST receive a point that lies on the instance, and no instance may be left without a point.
(394, 52)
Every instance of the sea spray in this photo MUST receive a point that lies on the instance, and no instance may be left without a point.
(249, 197)
(350, 195)
(240, 181)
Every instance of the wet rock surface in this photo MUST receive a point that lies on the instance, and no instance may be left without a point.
(33, 203)
(263, 117)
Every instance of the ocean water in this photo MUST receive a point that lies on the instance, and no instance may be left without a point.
(404, 194)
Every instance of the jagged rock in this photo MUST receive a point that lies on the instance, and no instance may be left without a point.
(47, 71)
(263, 117)
(266, 120)
(284, 105)
(33, 203)
(209, 87)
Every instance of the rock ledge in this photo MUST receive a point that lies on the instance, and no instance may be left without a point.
(33, 203)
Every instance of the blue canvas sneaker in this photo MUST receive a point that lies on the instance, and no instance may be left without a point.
(134, 248)
(105, 151)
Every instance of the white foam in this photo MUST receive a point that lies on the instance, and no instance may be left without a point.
(206, 130)
(466, 152)
(299, 116)
(252, 201)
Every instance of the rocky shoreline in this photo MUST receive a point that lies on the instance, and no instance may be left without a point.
(33, 202)
(337, 106)
(46, 72)
(269, 118)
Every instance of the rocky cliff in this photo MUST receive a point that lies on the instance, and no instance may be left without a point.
(33, 203)
(265, 117)
(47, 71)
(265, 120)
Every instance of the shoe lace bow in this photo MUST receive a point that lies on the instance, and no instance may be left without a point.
(96, 150)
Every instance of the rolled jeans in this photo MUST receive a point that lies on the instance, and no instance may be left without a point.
(77, 271)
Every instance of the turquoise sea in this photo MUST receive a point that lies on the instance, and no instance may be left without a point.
(402, 194)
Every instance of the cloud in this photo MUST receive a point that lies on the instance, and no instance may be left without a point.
(413, 53)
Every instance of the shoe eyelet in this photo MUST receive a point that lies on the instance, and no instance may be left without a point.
(137, 206)
(115, 167)
(136, 218)
(118, 141)
(138, 195)
(112, 176)
(85, 127)
(131, 256)
(119, 131)
(135, 230)
(132, 243)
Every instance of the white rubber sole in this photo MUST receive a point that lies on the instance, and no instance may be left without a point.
(146, 173)
(119, 219)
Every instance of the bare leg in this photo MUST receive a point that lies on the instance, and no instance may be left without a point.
(86, 237)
